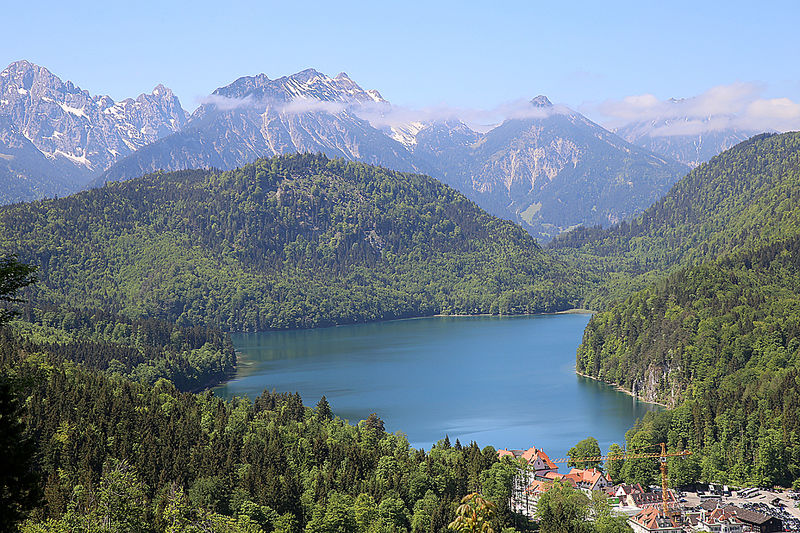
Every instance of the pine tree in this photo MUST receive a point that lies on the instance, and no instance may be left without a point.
(324, 409)
(13, 276)
(19, 489)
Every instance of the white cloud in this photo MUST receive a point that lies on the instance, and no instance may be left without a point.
(482, 120)
(385, 115)
(225, 103)
(739, 106)
(780, 114)
(311, 105)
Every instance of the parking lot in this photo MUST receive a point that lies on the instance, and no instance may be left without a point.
(760, 501)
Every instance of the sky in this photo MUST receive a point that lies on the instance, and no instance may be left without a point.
(607, 59)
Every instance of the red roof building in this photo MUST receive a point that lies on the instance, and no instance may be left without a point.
(645, 500)
(538, 460)
(719, 520)
(589, 479)
(652, 520)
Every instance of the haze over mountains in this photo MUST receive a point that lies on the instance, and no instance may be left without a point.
(692, 147)
(559, 170)
(550, 169)
(546, 167)
(255, 116)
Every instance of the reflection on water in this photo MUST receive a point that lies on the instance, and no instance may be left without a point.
(505, 382)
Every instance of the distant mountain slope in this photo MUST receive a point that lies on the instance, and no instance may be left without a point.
(26, 173)
(255, 117)
(679, 139)
(294, 241)
(560, 170)
(744, 198)
(549, 171)
(76, 134)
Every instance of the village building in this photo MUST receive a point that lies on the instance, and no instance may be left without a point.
(652, 520)
(540, 464)
(623, 491)
(718, 520)
(532, 494)
(538, 487)
(752, 521)
(525, 491)
(525, 504)
(646, 500)
(589, 479)
(618, 497)
(553, 476)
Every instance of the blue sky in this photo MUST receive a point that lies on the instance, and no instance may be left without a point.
(462, 54)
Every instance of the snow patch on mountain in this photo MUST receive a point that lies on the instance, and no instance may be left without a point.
(68, 126)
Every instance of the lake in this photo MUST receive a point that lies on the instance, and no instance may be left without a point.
(508, 382)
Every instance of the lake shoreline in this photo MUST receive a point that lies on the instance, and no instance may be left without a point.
(442, 376)
(619, 388)
(573, 311)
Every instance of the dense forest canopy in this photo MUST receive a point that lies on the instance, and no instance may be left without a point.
(143, 350)
(140, 280)
(744, 198)
(718, 339)
(115, 452)
(293, 241)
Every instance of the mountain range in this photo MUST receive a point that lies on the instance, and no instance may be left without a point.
(688, 141)
(160, 261)
(714, 331)
(293, 241)
(547, 167)
(57, 137)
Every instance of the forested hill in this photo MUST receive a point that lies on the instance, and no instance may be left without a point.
(718, 339)
(293, 241)
(743, 198)
(114, 455)
(721, 342)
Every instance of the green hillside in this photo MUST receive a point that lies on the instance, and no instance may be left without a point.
(294, 241)
(718, 338)
(114, 455)
(744, 198)
(143, 350)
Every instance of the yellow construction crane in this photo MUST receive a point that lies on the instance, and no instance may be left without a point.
(662, 457)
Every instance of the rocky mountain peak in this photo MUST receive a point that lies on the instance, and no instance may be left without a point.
(22, 76)
(160, 90)
(309, 84)
(541, 101)
(307, 75)
(375, 95)
(71, 127)
(21, 67)
(243, 86)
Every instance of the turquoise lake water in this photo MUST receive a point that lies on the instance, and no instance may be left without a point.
(507, 382)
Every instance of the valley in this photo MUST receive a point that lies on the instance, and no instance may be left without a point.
(296, 305)
(442, 376)
(139, 281)
(544, 154)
